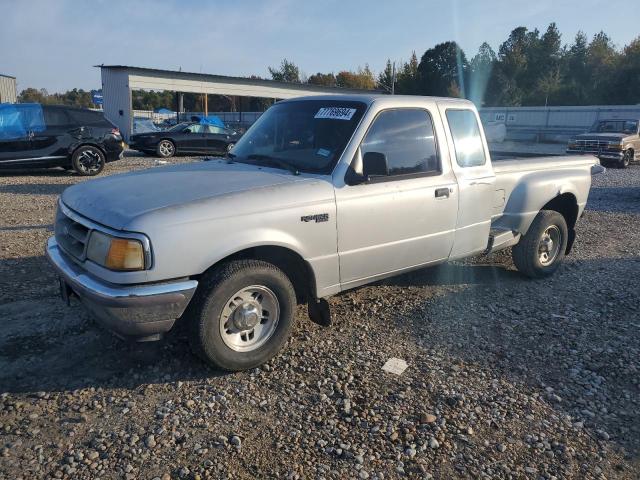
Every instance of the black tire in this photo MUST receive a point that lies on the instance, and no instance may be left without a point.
(217, 288)
(165, 148)
(88, 161)
(527, 254)
(626, 159)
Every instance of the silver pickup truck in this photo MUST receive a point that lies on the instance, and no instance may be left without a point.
(322, 194)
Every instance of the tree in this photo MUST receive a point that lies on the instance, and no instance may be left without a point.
(408, 82)
(442, 69)
(286, 72)
(385, 78)
(602, 58)
(626, 80)
(574, 69)
(323, 79)
(33, 95)
(362, 79)
(480, 73)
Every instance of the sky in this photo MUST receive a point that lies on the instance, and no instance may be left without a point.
(54, 44)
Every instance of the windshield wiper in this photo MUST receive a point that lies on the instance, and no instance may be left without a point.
(278, 162)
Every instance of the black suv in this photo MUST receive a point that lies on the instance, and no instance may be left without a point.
(37, 135)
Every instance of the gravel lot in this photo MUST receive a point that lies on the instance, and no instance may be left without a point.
(507, 377)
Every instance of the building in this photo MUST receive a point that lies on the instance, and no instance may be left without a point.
(8, 92)
(119, 80)
(553, 124)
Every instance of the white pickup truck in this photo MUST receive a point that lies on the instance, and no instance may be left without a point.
(322, 194)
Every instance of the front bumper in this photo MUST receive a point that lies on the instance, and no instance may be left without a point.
(602, 154)
(139, 312)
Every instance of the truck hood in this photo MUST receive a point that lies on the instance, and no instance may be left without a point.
(117, 200)
(603, 137)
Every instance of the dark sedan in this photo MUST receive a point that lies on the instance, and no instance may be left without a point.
(194, 138)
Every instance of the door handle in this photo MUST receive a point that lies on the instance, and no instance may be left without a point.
(442, 192)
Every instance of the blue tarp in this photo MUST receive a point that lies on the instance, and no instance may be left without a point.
(211, 120)
(17, 120)
(164, 110)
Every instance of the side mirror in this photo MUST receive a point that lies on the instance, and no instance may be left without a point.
(374, 164)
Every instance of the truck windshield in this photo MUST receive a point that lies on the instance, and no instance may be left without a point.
(305, 135)
(615, 126)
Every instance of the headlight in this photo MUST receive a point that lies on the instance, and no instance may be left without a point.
(115, 253)
(615, 145)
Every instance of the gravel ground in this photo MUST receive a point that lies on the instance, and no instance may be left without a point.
(506, 378)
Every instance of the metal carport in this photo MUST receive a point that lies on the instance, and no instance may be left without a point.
(118, 81)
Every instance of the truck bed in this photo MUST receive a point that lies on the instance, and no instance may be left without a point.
(524, 185)
(545, 162)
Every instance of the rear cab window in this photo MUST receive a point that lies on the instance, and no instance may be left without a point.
(467, 140)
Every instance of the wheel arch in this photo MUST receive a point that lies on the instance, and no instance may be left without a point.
(299, 271)
(566, 204)
(75, 148)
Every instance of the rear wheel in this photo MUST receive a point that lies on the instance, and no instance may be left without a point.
(540, 252)
(88, 160)
(166, 149)
(242, 314)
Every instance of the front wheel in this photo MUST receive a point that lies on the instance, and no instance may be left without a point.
(166, 149)
(626, 159)
(539, 253)
(242, 314)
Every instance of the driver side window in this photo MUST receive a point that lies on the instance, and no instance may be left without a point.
(194, 129)
(407, 139)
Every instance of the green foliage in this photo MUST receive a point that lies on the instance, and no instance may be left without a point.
(529, 68)
(385, 78)
(362, 78)
(286, 72)
(75, 98)
(441, 70)
(323, 79)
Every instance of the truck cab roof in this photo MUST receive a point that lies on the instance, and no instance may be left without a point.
(390, 100)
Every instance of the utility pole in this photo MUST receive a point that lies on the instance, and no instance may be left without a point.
(393, 79)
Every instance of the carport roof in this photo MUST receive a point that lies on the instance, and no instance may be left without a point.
(8, 76)
(258, 82)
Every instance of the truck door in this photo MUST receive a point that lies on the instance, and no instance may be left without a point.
(476, 180)
(404, 219)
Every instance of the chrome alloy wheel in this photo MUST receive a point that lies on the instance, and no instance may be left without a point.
(549, 245)
(166, 148)
(249, 318)
(89, 161)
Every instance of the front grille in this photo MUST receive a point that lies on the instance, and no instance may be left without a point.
(71, 235)
(592, 145)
